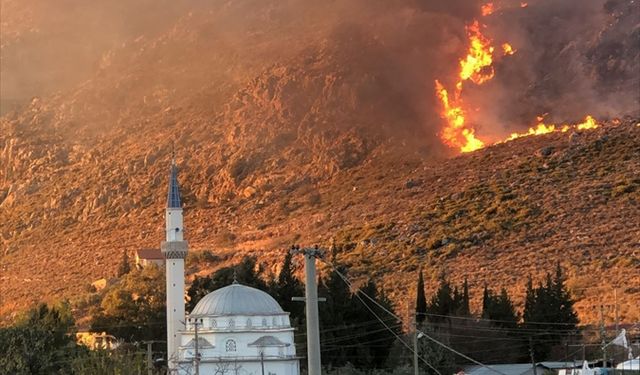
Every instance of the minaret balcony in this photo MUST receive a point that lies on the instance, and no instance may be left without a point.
(174, 249)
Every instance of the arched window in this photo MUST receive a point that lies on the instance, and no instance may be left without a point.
(232, 323)
(275, 321)
(264, 322)
(214, 324)
(230, 346)
(249, 324)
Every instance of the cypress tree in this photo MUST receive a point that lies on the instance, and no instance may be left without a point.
(464, 308)
(421, 300)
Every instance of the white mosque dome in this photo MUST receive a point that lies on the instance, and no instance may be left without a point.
(237, 299)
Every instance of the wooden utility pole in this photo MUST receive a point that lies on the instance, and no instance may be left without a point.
(311, 304)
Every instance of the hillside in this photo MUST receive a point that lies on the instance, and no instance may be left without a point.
(289, 127)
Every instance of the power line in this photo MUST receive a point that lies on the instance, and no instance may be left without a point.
(358, 291)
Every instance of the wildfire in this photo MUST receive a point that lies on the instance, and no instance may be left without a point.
(487, 9)
(507, 49)
(589, 123)
(477, 65)
(456, 135)
(542, 128)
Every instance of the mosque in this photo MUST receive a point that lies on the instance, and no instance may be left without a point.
(235, 330)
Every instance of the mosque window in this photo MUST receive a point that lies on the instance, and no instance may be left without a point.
(275, 321)
(214, 324)
(264, 322)
(232, 323)
(230, 345)
(249, 324)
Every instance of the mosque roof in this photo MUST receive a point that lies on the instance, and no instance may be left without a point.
(237, 299)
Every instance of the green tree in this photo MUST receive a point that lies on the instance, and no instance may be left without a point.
(40, 343)
(350, 333)
(134, 309)
(421, 300)
(549, 312)
(287, 286)
(124, 360)
(247, 272)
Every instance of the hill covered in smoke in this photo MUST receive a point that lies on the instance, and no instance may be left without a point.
(297, 120)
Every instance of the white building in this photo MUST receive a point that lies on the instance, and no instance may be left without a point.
(241, 330)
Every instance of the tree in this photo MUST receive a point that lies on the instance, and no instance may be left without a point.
(134, 309)
(421, 300)
(40, 343)
(122, 361)
(549, 312)
(350, 333)
(287, 286)
(247, 272)
(124, 267)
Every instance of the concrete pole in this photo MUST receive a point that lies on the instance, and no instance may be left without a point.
(196, 359)
(311, 293)
(603, 337)
(416, 370)
(149, 358)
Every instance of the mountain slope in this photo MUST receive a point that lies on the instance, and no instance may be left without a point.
(289, 127)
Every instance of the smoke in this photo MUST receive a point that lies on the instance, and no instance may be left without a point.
(573, 56)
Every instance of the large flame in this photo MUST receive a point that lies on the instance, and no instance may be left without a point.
(455, 134)
(477, 67)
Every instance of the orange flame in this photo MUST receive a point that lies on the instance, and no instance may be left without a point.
(456, 135)
(507, 49)
(487, 9)
(542, 128)
(477, 65)
(589, 123)
(523, 5)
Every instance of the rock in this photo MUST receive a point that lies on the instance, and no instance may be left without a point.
(411, 183)
(249, 191)
(545, 151)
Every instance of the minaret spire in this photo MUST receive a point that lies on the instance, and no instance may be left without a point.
(175, 250)
(173, 195)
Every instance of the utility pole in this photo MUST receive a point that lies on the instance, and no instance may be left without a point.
(416, 370)
(149, 358)
(311, 304)
(603, 337)
(533, 361)
(196, 358)
(150, 354)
